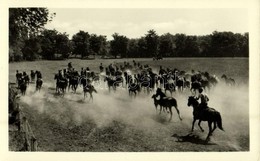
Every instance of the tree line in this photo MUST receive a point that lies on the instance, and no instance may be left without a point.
(29, 40)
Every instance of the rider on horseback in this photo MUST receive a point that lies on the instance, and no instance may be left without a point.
(60, 76)
(203, 99)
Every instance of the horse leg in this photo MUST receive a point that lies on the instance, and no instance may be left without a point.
(91, 97)
(210, 130)
(214, 127)
(170, 109)
(63, 92)
(194, 120)
(178, 112)
(160, 109)
(200, 126)
(74, 88)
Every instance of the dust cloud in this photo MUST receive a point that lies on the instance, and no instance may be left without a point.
(139, 112)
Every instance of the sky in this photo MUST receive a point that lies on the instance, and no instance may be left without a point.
(135, 22)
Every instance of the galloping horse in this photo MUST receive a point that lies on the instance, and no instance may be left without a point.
(156, 103)
(61, 84)
(210, 115)
(167, 102)
(133, 88)
(112, 82)
(228, 81)
(89, 89)
(23, 86)
(73, 83)
(39, 84)
(169, 87)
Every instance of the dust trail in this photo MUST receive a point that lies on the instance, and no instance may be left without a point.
(139, 112)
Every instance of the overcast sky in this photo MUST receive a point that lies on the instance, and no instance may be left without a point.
(135, 23)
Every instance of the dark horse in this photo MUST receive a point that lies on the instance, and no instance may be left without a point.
(89, 89)
(133, 88)
(167, 102)
(23, 86)
(113, 82)
(61, 84)
(228, 81)
(38, 84)
(73, 83)
(209, 114)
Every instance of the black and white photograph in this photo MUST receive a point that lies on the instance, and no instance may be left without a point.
(130, 79)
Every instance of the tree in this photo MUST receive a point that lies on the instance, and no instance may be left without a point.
(118, 46)
(244, 47)
(166, 45)
(24, 23)
(180, 44)
(223, 44)
(204, 43)
(132, 49)
(142, 48)
(98, 44)
(32, 48)
(48, 43)
(81, 44)
(63, 45)
(152, 42)
(186, 46)
(104, 45)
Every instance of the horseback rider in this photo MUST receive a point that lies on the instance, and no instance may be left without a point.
(82, 73)
(88, 72)
(69, 65)
(65, 74)
(38, 75)
(60, 76)
(32, 75)
(101, 68)
(203, 99)
(18, 76)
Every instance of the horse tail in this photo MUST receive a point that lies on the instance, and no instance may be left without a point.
(219, 121)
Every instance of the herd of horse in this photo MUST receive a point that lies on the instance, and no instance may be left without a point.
(137, 78)
(23, 80)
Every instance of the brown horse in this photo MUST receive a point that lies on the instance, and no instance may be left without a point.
(209, 114)
(89, 89)
(39, 84)
(167, 102)
(156, 103)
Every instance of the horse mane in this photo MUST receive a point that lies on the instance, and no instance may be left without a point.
(194, 100)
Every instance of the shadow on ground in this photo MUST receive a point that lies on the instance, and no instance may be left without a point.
(192, 139)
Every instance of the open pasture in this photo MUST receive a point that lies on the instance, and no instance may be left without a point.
(116, 122)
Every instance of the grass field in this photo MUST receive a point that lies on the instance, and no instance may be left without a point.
(116, 122)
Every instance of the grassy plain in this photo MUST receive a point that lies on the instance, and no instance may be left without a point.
(116, 122)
